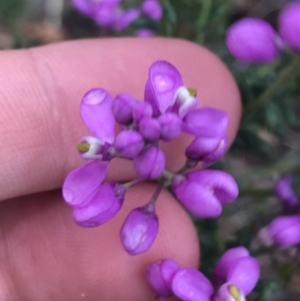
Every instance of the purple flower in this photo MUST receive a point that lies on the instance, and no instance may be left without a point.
(289, 25)
(82, 184)
(170, 126)
(209, 125)
(252, 40)
(150, 128)
(160, 276)
(141, 110)
(282, 231)
(152, 9)
(161, 87)
(105, 15)
(105, 204)
(123, 107)
(139, 229)
(125, 18)
(225, 263)
(207, 149)
(102, 12)
(204, 192)
(165, 91)
(244, 273)
(192, 285)
(144, 33)
(129, 143)
(206, 122)
(150, 163)
(284, 191)
(229, 292)
(236, 267)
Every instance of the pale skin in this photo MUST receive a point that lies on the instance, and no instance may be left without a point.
(43, 254)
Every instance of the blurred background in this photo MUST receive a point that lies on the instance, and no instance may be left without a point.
(267, 146)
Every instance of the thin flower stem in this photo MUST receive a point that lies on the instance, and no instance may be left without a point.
(168, 175)
(263, 99)
(132, 183)
(156, 193)
(183, 169)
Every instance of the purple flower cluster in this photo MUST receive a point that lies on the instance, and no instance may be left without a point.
(283, 230)
(234, 277)
(109, 14)
(254, 40)
(169, 108)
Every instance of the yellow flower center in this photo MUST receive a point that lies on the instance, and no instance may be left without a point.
(83, 147)
(192, 92)
(234, 292)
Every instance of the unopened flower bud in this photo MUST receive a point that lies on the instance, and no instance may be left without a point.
(142, 110)
(160, 276)
(150, 163)
(93, 148)
(129, 143)
(139, 229)
(206, 122)
(229, 292)
(103, 207)
(192, 285)
(204, 192)
(282, 231)
(170, 126)
(284, 191)
(252, 40)
(152, 9)
(289, 25)
(150, 128)
(122, 108)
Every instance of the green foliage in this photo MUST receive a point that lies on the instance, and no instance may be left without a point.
(11, 11)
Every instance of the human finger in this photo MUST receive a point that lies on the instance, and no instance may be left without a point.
(45, 256)
(41, 89)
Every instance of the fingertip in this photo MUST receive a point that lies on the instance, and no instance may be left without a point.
(41, 102)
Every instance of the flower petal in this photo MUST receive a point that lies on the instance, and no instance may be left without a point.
(199, 200)
(206, 122)
(192, 285)
(96, 112)
(225, 262)
(164, 80)
(223, 184)
(82, 183)
(103, 207)
(244, 273)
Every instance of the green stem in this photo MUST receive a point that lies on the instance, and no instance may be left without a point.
(132, 183)
(263, 99)
(168, 175)
(202, 20)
